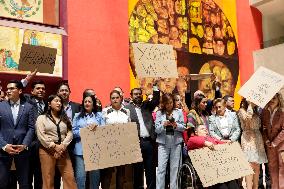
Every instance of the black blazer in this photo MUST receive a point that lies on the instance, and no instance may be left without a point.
(75, 108)
(31, 99)
(147, 108)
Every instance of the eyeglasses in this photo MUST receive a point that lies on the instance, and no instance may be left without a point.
(11, 88)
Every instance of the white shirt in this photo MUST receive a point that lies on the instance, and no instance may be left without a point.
(15, 110)
(224, 127)
(143, 130)
(112, 116)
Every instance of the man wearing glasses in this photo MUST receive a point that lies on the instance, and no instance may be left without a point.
(17, 123)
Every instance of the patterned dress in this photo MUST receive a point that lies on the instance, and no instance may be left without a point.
(251, 139)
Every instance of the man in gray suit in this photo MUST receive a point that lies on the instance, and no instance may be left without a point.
(17, 123)
(141, 113)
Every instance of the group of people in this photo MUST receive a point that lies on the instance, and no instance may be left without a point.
(41, 136)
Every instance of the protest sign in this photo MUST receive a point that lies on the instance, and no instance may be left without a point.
(262, 86)
(154, 60)
(227, 162)
(110, 145)
(40, 57)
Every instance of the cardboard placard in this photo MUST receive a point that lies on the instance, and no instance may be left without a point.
(262, 86)
(40, 57)
(110, 145)
(227, 162)
(154, 60)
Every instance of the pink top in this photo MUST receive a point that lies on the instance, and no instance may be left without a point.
(196, 142)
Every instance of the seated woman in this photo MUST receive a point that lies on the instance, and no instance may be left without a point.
(202, 139)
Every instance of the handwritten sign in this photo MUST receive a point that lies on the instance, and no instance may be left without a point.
(262, 86)
(42, 58)
(110, 145)
(154, 60)
(227, 162)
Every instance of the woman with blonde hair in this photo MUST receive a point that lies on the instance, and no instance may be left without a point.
(251, 140)
(273, 134)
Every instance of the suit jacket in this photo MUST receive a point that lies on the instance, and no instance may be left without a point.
(275, 132)
(75, 108)
(161, 131)
(31, 99)
(214, 124)
(147, 108)
(23, 131)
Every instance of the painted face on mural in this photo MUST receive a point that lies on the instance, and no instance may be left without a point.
(208, 33)
(224, 76)
(182, 80)
(167, 85)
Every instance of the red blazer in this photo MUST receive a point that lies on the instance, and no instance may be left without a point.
(195, 142)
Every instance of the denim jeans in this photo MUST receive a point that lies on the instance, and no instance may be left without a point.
(80, 174)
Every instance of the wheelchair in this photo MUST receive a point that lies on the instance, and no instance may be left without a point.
(187, 176)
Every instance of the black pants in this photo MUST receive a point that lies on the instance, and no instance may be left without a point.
(146, 146)
(12, 180)
(22, 167)
(226, 185)
(35, 177)
(267, 177)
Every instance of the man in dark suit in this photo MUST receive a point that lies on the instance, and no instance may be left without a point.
(37, 100)
(141, 113)
(17, 122)
(70, 107)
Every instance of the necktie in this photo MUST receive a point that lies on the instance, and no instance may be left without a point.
(39, 108)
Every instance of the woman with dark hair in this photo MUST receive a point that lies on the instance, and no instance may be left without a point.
(273, 135)
(119, 177)
(88, 117)
(201, 139)
(169, 125)
(196, 116)
(54, 131)
(251, 140)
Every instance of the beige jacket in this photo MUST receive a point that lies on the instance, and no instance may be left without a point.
(46, 132)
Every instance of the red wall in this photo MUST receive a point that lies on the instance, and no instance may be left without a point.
(97, 47)
(249, 22)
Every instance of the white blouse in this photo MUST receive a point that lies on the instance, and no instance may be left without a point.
(112, 116)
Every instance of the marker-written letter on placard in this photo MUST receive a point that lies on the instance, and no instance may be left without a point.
(154, 60)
